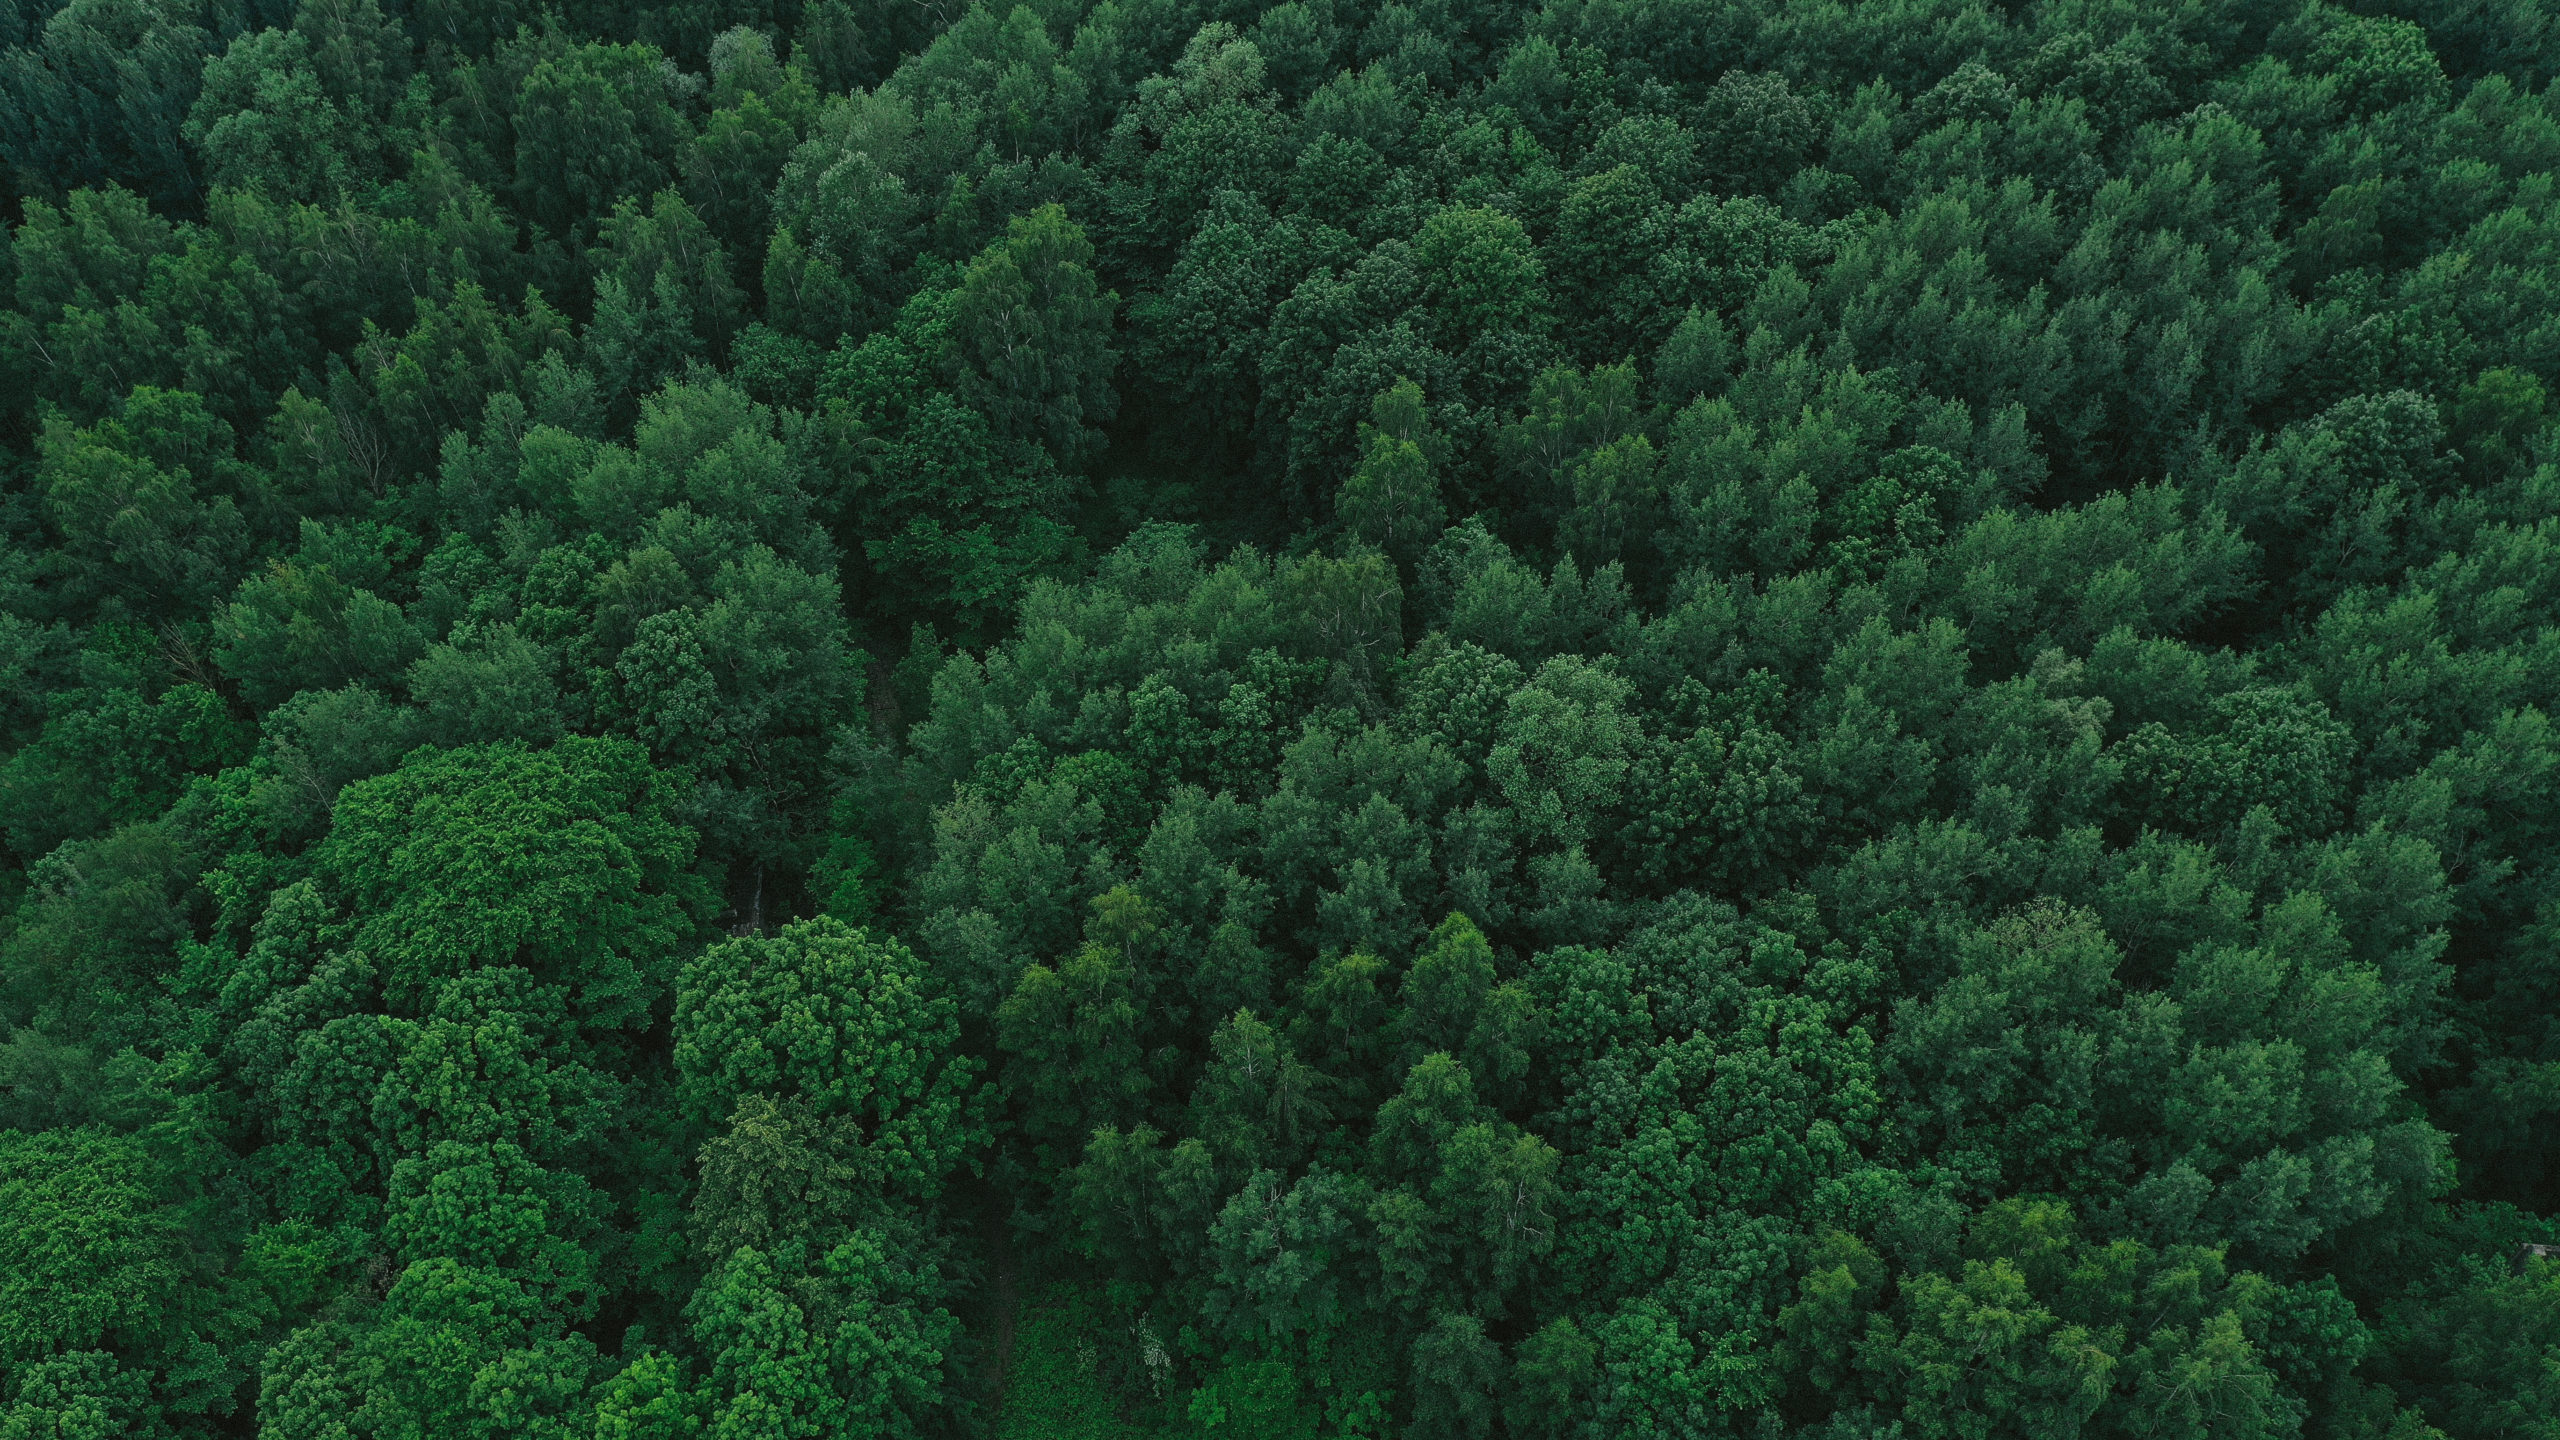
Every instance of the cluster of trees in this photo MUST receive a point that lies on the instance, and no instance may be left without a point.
(790, 718)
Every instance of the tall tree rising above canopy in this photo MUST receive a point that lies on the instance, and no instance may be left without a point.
(1145, 719)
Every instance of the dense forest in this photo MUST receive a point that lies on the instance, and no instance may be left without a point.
(1165, 718)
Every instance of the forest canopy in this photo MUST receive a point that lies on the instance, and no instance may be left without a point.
(753, 719)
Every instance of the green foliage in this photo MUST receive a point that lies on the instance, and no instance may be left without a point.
(1460, 720)
(563, 860)
(1057, 1386)
(1393, 501)
(111, 758)
(851, 1025)
(850, 1343)
(129, 496)
(1031, 338)
(90, 1256)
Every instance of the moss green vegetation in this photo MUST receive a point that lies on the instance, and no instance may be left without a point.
(1054, 1383)
(1440, 720)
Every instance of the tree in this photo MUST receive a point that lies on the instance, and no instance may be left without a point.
(672, 276)
(264, 124)
(300, 628)
(125, 496)
(91, 1257)
(593, 124)
(1030, 337)
(100, 99)
(1755, 130)
(1747, 719)
(851, 1025)
(1483, 276)
(853, 1341)
(1075, 1029)
(1454, 1372)
(104, 760)
(565, 859)
(1393, 501)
